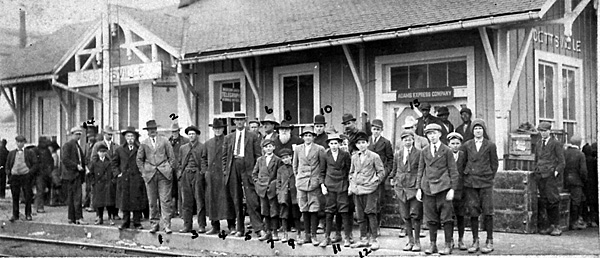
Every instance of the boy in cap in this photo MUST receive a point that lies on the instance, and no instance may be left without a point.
(420, 142)
(426, 119)
(102, 175)
(480, 169)
(550, 163)
(437, 180)
(455, 142)
(286, 194)
(383, 148)
(334, 186)
(404, 180)
(309, 161)
(21, 164)
(366, 173)
(264, 176)
(575, 174)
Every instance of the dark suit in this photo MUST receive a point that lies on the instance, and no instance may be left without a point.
(459, 194)
(321, 139)
(383, 148)
(549, 158)
(131, 189)
(3, 174)
(218, 206)
(405, 177)
(466, 130)
(287, 193)
(335, 178)
(480, 170)
(175, 189)
(264, 177)
(72, 177)
(237, 174)
(23, 182)
(437, 174)
(191, 179)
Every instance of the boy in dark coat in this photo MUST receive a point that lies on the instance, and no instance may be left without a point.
(480, 170)
(286, 193)
(436, 182)
(575, 175)
(335, 189)
(550, 163)
(404, 178)
(455, 142)
(103, 193)
(265, 181)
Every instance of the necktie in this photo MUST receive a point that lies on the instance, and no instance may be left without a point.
(79, 153)
(238, 143)
(434, 149)
(406, 153)
(130, 148)
(153, 142)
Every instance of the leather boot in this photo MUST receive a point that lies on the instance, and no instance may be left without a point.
(265, 236)
(326, 241)
(555, 231)
(474, 247)
(306, 240)
(489, 246)
(285, 237)
(447, 249)
(417, 246)
(275, 235)
(374, 243)
(337, 238)
(315, 241)
(362, 243)
(431, 249)
(461, 245)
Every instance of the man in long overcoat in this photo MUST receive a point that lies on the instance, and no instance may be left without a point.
(73, 161)
(131, 190)
(218, 206)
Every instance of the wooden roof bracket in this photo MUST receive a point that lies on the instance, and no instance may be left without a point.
(571, 15)
(11, 99)
(253, 86)
(60, 85)
(355, 75)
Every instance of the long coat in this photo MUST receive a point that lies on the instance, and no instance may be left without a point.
(335, 174)
(251, 152)
(104, 192)
(308, 167)
(265, 176)
(70, 160)
(131, 189)
(482, 165)
(437, 172)
(161, 158)
(286, 185)
(217, 205)
(405, 175)
(109, 153)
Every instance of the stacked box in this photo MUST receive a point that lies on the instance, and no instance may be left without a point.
(519, 162)
(515, 202)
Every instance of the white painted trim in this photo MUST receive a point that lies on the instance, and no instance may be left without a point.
(126, 22)
(559, 61)
(217, 77)
(299, 69)
(37, 118)
(91, 33)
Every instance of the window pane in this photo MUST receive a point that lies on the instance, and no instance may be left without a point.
(399, 77)
(124, 107)
(565, 96)
(549, 91)
(569, 129)
(418, 76)
(306, 99)
(290, 98)
(134, 106)
(438, 75)
(457, 73)
(542, 94)
(571, 76)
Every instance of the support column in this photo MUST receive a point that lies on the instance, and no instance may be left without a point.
(502, 106)
(107, 118)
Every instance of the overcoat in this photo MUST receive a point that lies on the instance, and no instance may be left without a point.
(335, 174)
(405, 175)
(251, 152)
(308, 167)
(104, 192)
(109, 153)
(217, 205)
(482, 165)
(286, 185)
(437, 172)
(131, 189)
(70, 160)
(265, 176)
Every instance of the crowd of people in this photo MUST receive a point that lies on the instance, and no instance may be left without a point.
(318, 180)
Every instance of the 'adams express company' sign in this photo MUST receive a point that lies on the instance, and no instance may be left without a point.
(123, 74)
(427, 94)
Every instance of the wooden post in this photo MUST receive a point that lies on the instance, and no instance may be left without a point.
(107, 118)
(252, 86)
(354, 70)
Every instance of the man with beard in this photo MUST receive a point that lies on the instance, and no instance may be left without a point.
(286, 139)
(426, 119)
(176, 141)
(351, 131)
(269, 124)
(241, 150)
(321, 138)
(107, 133)
(447, 126)
(218, 206)
(131, 190)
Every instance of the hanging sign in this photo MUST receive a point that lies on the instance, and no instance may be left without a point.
(123, 74)
(230, 94)
(556, 41)
(426, 94)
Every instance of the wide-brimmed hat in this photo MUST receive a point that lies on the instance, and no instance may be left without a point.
(192, 128)
(433, 127)
(151, 124)
(308, 129)
(108, 130)
(130, 129)
(285, 124)
(319, 119)
(454, 135)
(76, 129)
(217, 123)
(406, 133)
(377, 123)
(348, 118)
(239, 116)
(175, 127)
(333, 136)
(443, 111)
(544, 126)
(409, 121)
(270, 118)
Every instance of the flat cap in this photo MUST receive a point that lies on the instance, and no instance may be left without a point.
(544, 126)
(76, 129)
(454, 135)
(20, 138)
(284, 152)
(406, 133)
(266, 142)
(433, 127)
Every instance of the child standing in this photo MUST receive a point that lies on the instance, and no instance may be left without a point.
(286, 194)
(102, 175)
(575, 174)
(437, 180)
(455, 142)
(264, 176)
(366, 172)
(335, 189)
(404, 179)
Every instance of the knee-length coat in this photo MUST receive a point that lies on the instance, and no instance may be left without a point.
(216, 202)
(103, 190)
(131, 188)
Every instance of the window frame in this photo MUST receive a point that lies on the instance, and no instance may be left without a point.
(128, 87)
(295, 70)
(213, 79)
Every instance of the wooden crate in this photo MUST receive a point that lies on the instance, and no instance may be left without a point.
(519, 162)
(520, 144)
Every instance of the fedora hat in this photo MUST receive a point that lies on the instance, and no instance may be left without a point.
(442, 111)
(347, 118)
(217, 123)
(108, 130)
(409, 122)
(270, 118)
(192, 128)
(239, 116)
(151, 124)
(285, 124)
(308, 129)
(377, 123)
(130, 129)
(319, 119)
(175, 127)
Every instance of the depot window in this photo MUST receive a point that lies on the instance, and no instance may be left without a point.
(437, 74)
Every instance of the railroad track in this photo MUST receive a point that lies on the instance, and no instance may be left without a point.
(100, 247)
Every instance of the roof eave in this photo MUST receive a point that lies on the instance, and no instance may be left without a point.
(27, 79)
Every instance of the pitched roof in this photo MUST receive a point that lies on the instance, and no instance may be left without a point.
(216, 25)
(165, 26)
(41, 57)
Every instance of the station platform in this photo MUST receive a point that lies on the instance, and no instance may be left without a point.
(53, 225)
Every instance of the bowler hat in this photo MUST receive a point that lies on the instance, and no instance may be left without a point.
(466, 110)
(151, 124)
(239, 116)
(175, 127)
(333, 136)
(319, 119)
(266, 142)
(377, 123)
(362, 136)
(76, 129)
(544, 126)
(284, 152)
(130, 129)
(443, 111)
(192, 128)
(432, 127)
(102, 148)
(308, 129)
(108, 130)
(425, 106)
(20, 138)
(406, 133)
(285, 124)
(347, 118)
(270, 118)
(454, 135)
(217, 123)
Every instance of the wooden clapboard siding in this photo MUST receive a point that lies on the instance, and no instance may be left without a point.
(585, 29)
(484, 89)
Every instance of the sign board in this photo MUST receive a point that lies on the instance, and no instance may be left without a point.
(123, 74)
(426, 94)
(230, 94)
